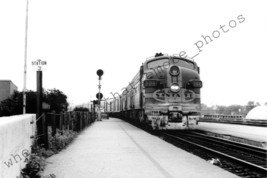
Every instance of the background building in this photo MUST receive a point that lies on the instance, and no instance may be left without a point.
(7, 88)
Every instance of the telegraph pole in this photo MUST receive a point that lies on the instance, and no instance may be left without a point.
(25, 58)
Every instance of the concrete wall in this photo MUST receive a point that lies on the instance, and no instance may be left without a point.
(15, 143)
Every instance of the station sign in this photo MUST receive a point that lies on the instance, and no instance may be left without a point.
(39, 65)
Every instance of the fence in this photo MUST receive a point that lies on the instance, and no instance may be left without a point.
(75, 121)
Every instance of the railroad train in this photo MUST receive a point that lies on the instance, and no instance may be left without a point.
(164, 94)
(222, 117)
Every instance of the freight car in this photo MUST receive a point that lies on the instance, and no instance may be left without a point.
(164, 94)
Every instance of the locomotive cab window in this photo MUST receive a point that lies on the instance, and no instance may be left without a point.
(183, 63)
(157, 63)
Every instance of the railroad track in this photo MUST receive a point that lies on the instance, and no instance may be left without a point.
(244, 160)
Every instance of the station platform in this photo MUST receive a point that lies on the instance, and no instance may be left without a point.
(114, 148)
(253, 133)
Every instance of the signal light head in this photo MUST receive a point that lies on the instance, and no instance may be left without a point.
(99, 72)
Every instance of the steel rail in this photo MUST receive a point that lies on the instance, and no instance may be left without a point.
(217, 152)
(249, 148)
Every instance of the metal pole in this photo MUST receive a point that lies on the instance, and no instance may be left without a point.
(40, 122)
(25, 59)
(99, 110)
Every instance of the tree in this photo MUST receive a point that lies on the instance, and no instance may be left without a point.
(250, 106)
(80, 109)
(14, 104)
(56, 99)
(204, 106)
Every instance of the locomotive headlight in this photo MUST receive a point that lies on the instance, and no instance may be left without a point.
(175, 87)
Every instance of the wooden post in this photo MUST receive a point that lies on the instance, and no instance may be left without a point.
(81, 121)
(77, 121)
(63, 121)
(68, 124)
(71, 121)
(84, 120)
(53, 123)
(87, 118)
(60, 120)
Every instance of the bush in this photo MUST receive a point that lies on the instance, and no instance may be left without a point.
(37, 162)
(61, 140)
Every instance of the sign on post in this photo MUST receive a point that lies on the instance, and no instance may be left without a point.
(39, 65)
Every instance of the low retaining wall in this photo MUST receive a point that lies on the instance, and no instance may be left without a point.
(15, 143)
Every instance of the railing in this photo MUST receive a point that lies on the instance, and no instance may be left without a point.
(53, 123)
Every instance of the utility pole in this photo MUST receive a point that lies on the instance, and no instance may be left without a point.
(25, 58)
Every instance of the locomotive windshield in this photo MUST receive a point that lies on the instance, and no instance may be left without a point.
(183, 63)
(157, 63)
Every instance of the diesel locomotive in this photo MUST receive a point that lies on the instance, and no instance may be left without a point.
(164, 94)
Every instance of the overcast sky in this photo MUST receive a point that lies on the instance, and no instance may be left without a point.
(77, 37)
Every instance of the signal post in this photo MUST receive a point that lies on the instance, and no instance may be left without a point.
(99, 95)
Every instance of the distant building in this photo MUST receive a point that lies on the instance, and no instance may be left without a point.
(7, 88)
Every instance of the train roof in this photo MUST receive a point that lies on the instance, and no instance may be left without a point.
(176, 56)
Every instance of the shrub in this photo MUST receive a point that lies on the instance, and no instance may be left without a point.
(61, 140)
(37, 162)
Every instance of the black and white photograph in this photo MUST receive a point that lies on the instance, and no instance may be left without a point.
(133, 89)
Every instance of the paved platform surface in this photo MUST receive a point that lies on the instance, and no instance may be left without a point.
(114, 148)
(244, 131)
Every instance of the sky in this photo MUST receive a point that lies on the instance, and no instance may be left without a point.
(78, 37)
